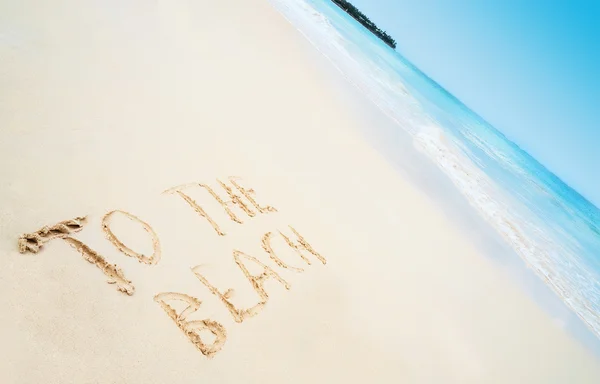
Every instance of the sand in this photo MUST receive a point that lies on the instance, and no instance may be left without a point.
(124, 126)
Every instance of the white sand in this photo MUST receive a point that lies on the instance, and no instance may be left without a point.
(105, 104)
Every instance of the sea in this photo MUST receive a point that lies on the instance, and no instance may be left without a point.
(553, 229)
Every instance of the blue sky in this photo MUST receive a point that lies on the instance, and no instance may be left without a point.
(530, 68)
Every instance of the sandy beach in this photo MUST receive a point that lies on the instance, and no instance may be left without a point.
(205, 149)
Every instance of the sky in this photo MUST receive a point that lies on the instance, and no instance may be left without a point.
(530, 68)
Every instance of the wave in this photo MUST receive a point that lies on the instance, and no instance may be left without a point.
(555, 263)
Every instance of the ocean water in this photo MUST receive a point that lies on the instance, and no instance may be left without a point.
(553, 229)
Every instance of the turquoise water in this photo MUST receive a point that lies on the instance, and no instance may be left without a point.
(555, 230)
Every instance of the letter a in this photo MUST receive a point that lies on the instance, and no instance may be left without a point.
(258, 281)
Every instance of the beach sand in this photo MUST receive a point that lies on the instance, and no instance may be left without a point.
(108, 105)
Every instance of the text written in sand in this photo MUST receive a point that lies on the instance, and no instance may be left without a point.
(234, 196)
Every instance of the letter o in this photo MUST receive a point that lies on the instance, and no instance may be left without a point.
(154, 259)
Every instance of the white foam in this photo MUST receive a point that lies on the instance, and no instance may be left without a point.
(553, 262)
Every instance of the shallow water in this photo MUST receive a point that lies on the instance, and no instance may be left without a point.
(551, 227)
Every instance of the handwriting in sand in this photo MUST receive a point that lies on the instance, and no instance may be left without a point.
(246, 202)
